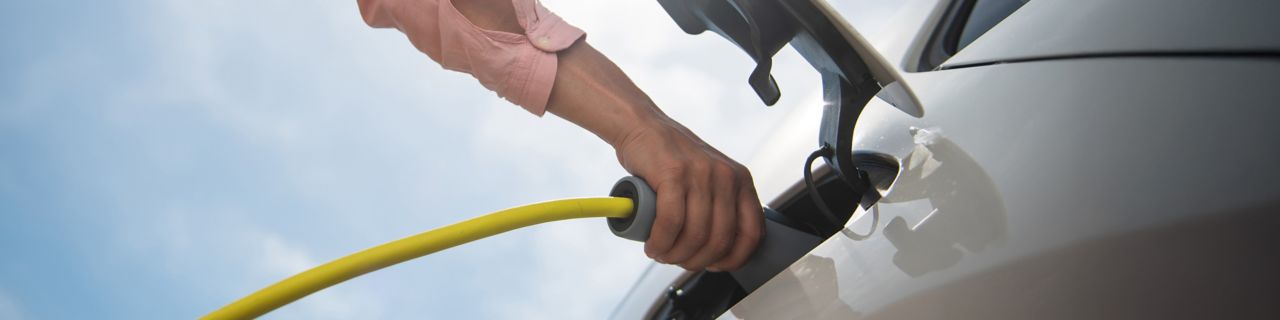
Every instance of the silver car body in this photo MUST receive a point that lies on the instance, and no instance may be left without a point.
(1082, 159)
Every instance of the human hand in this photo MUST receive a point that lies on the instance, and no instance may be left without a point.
(708, 213)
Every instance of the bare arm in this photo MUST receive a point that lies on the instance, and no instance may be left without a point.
(708, 213)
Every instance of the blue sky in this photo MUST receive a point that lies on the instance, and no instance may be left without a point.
(159, 159)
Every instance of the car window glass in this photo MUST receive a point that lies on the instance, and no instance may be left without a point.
(986, 14)
(964, 22)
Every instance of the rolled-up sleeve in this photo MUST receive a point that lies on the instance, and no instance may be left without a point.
(518, 67)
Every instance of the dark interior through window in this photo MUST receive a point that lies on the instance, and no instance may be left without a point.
(964, 22)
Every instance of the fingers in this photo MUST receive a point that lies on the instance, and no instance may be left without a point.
(723, 220)
(750, 230)
(669, 221)
(697, 219)
(708, 213)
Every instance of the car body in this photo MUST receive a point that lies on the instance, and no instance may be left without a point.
(1069, 159)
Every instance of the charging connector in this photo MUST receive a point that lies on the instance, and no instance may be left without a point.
(775, 252)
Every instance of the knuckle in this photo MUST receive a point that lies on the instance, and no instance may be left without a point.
(743, 173)
(719, 246)
(725, 170)
(689, 245)
(670, 200)
(696, 239)
(667, 178)
(701, 169)
(672, 172)
(695, 164)
(725, 177)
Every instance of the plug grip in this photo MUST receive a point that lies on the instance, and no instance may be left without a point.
(637, 226)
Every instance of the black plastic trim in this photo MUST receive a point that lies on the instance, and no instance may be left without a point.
(945, 36)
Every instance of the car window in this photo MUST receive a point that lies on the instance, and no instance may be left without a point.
(986, 14)
(964, 22)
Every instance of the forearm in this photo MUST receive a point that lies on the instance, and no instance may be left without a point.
(595, 94)
(589, 90)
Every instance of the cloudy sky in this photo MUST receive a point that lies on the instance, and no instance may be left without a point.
(159, 159)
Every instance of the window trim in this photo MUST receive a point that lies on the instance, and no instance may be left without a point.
(945, 36)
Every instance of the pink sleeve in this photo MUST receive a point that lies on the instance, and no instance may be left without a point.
(519, 67)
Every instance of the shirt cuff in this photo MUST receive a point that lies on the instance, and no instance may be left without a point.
(549, 34)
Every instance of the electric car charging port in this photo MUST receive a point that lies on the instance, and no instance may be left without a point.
(805, 215)
(706, 295)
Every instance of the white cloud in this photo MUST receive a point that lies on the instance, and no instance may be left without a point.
(278, 259)
(281, 260)
(9, 308)
(230, 258)
(623, 30)
(583, 272)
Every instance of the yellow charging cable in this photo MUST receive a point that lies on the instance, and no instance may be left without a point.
(385, 255)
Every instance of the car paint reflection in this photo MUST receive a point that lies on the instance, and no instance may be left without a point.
(964, 213)
(941, 207)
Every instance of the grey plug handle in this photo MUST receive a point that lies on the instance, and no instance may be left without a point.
(646, 208)
(780, 246)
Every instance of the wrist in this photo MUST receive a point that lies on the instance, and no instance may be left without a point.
(637, 121)
(593, 93)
